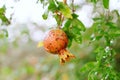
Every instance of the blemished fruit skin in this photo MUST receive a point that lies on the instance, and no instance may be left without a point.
(55, 42)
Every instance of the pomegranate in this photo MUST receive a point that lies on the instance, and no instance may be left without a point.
(56, 42)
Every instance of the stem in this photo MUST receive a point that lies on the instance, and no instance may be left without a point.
(107, 15)
(65, 1)
(59, 26)
(73, 8)
(61, 16)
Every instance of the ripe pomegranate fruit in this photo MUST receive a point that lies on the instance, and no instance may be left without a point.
(56, 42)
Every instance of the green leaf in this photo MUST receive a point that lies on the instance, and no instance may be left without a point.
(70, 42)
(94, 1)
(98, 37)
(76, 34)
(106, 4)
(2, 16)
(114, 30)
(115, 33)
(65, 10)
(73, 28)
(41, 1)
(66, 29)
(98, 19)
(92, 75)
(52, 6)
(77, 23)
(88, 66)
(111, 25)
(2, 10)
(67, 25)
(78, 38)
(4, 19)
(45, 15)
(74, 15)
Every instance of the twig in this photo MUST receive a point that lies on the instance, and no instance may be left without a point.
(65, 1)
(73, 10)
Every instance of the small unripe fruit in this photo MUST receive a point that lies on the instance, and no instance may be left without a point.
(55, 42)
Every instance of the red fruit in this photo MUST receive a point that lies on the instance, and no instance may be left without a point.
(56, 42)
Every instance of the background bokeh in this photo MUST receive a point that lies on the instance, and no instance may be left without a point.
(20, 59)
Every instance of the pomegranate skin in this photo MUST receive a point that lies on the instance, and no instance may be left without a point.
(55, 41)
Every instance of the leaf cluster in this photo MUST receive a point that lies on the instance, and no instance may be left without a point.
(74, 28)
(104, 29)
(54, 6)
(3, 17)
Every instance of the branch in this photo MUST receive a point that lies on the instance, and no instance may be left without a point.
(65, 1)
(73, 8)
